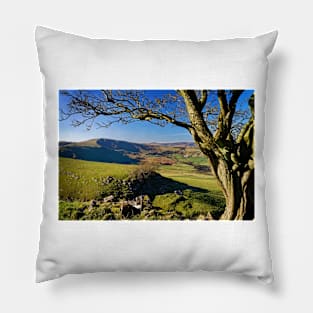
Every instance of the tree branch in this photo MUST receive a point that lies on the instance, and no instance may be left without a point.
(126, 107)
(203, 99)
(200, 132)
(227, 111)
(245, 140)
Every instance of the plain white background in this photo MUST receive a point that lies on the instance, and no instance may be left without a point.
(288, 154)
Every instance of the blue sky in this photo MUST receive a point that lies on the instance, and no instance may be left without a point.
(139, 131)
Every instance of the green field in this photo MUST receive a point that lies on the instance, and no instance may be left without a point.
(176, 191)
(199, 160)
(187, 174)
(82, 180)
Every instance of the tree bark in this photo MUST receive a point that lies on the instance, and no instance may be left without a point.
(237, 187)
(239, 195)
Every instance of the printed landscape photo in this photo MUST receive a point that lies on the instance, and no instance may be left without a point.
(156, 155)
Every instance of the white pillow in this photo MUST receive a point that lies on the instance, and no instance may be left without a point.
(70, 63)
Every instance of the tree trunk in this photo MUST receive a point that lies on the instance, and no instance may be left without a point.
(238, 189)
(236, 178)
(237, 184)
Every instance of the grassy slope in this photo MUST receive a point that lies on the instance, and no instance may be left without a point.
(96, 169)
(96, 154)
(186, 173)
(83, 180)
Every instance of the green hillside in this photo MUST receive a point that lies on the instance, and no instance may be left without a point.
(124, 152)
(98, 154)
(178, 191)
(82, 180)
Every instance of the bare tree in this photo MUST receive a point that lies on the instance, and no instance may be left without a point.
(219, 125)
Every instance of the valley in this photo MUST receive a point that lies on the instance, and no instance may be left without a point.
(173, 178)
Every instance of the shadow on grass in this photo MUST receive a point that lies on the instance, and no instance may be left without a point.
(97, 154)
(157, 184)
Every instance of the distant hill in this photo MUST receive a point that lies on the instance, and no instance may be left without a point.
(117, 151)
(174, 144)
(100, 150)
(64, 143)
(123, 146)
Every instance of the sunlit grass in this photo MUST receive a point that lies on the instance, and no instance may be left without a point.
(186, 174)
(80, 181)
(83, 180)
